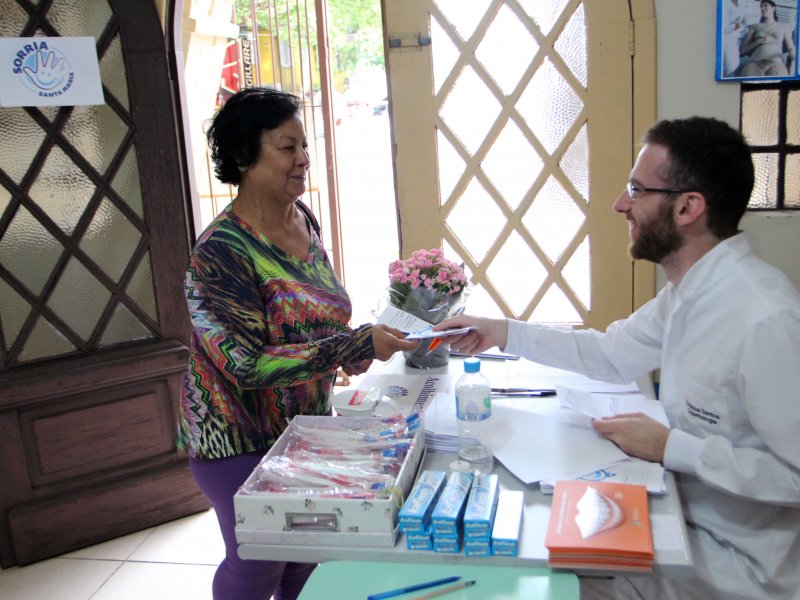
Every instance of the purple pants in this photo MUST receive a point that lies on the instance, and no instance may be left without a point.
(238, 579)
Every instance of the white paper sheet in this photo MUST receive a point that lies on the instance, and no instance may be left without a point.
(598, 406)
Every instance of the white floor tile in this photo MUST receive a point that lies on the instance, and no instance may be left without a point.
(57, 579)
(117, 549)
(195, 539)
(155, 581)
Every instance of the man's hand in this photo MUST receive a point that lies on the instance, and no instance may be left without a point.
(388, 340)
(636, 434)
(487, 334)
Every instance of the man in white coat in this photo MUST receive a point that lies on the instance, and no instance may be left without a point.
(725, 334)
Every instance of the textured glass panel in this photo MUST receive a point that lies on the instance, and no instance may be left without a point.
(464, 16)
(110, 240)
(791, 193)
(553, 219)
(28, 251)
(45, 341)
(14, 20)
(571, 45)
(444, 54)
(479, 302)
(516, 272)
(494, 51)
(51, 112)
(575, 163)
(760, 117)
(476, 211)
(793, 118)
(451, 167)
(112, 72)
(79, 17)
(15, 311)
(5, 200)
(79, 299)
(127, 183)
(765, 189)
(554, 307)
(577, 273)
(512, 164)
(469, 125)
(123, 327)
(19, 143)
(96, 132)
(549, 105)
(140, 288)
(62, 190)
(544, 12)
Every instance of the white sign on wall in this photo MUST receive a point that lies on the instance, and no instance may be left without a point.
(49, 71)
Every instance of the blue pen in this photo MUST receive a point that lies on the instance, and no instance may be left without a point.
(412, 588)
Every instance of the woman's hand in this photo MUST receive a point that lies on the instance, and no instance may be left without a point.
(488, 333)
(388, 340)
(357, 368)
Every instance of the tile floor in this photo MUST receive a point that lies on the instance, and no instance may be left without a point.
(174, 561)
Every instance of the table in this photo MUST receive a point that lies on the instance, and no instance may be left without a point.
(672, 553)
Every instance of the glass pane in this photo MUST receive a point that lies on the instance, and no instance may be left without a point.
(451, 166)
(577, 274)
(96, 132)
(79, 17)
(62, 190)
(494, 52)
(575, 163)
(464, 16)
(28, 251)
(549, 106)
(15, 311)
(444, 54)
(544, 12)
(555, 308)
(124, 326)
(571, 45)
(5, 200)
(79, 299)
(140, 288)
(793, 118)
(791, 194)
(470, 126)
(765, 189)
(516, 272)
(27, 136)
(553, 219)
(112, 72)
(110, 240)
(760, 117)
(127, 184)
(474, 211)
(45, 341)
(512, 165)
(13, 22)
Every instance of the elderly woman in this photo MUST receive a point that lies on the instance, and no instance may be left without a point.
(270, 323)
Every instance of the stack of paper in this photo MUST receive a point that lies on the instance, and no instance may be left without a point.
(441, 426)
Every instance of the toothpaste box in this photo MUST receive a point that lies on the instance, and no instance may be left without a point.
(477, 547)
(419, 540)
(446, 544)
(507, 523)
(481, 507)
(415, 515)
(449, 511)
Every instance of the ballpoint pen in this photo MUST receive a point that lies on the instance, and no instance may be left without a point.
(447, 590)
(524, 392)
(412, 588)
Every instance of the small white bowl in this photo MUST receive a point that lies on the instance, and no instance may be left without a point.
(355, 403)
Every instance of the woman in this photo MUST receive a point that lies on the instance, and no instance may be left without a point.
(764, 44)
(269, 322)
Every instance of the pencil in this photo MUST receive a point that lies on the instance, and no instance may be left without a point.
(447, 590)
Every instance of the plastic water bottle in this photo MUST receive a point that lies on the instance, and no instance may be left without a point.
(474, 411)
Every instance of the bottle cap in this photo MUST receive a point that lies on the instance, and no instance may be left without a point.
(472, 365)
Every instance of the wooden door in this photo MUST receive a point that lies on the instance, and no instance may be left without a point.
(93, 243)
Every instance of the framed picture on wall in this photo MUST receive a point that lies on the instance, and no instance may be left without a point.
(756, 40)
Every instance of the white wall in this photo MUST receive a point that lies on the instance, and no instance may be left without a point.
(686, 86)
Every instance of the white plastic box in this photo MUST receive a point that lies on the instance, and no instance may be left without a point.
(275, 518)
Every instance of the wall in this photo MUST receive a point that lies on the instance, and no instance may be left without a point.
(686, 31)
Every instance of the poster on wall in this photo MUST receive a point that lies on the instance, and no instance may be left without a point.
(49, 71)
(756, 40)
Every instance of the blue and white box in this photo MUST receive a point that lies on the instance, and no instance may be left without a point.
(415, 515)
(478, 547)
(446, 544)
(419, 540)
(507, 523)
(481, 507)
(447, 516)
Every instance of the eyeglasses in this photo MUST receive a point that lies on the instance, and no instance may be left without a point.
(635, 190)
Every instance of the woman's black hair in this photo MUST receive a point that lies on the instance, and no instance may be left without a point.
(234, 135)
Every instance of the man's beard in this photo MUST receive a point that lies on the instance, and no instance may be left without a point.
(658, 237)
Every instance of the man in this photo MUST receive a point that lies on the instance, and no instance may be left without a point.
(725, 334)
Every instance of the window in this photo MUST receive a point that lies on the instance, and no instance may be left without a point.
(770, 122)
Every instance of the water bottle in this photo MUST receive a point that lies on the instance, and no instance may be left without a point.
(474, 411)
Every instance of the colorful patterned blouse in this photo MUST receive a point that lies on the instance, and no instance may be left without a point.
(269, 332)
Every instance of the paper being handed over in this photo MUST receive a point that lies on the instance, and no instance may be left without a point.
(599, 405)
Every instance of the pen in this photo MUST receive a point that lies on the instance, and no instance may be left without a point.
(447, 590)
(434, 344)
(412, 588)
(522, 393)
